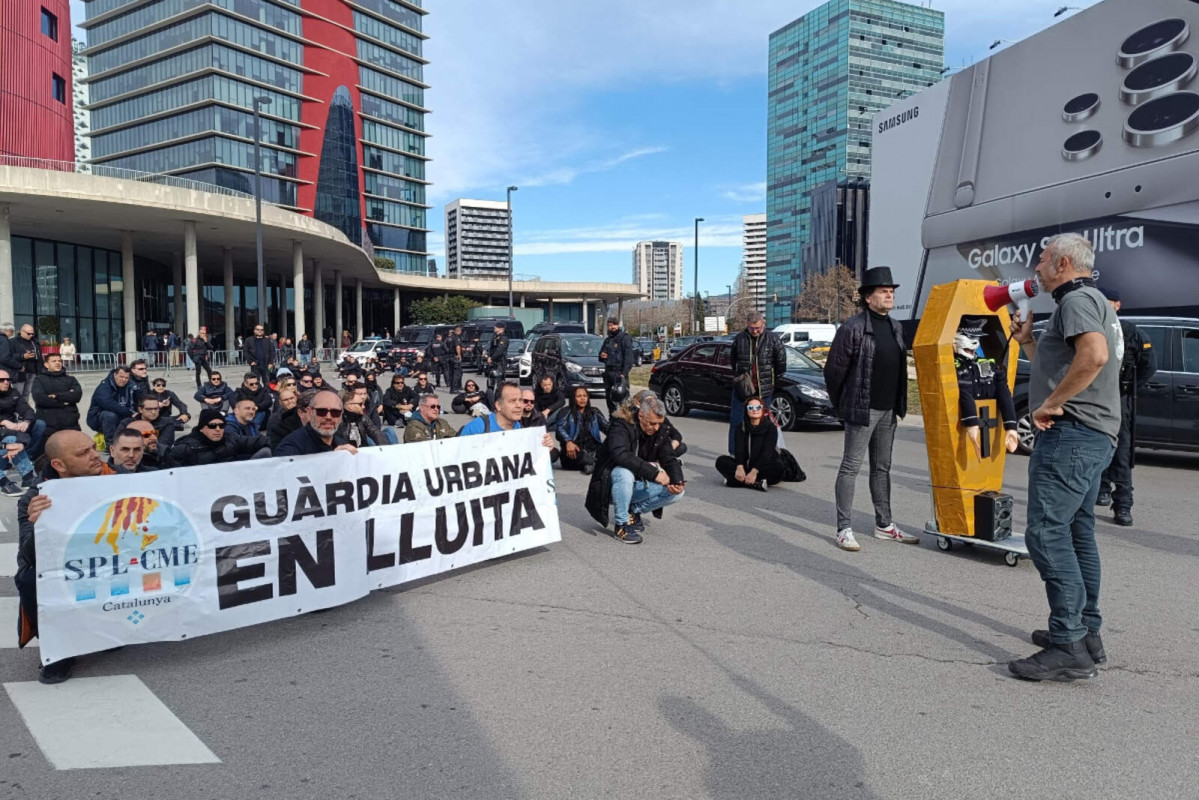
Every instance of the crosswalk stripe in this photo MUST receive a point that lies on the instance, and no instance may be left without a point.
(8, 623)
(111, 721)
(8, 560)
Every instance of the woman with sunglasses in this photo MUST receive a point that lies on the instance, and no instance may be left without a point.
(581, 430)
(755, 463)
(169, 404)
(472, 400)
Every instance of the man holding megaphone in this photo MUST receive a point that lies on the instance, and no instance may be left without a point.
(1074, 388)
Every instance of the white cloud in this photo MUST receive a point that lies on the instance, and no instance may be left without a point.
(747, 193)
(565, 175)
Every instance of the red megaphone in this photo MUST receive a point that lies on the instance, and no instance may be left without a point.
(1017, 294)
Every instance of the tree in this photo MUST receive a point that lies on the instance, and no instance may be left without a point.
(442, 310)
(384, 263)
(829, 296)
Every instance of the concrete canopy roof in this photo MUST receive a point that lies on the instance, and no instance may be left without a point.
(93, 210)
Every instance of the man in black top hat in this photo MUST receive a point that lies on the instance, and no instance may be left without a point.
(1136, 368)
(866, 375)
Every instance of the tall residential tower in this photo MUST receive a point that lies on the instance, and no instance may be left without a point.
(753, 259)
(831, 70)
(658, 269)
(173, 83)
(476, 239)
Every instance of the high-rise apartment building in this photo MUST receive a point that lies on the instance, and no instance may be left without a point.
(83, 117)
(831, 70)
(658, 269)
(173, 84)
(753, 258)
(476, 239)
(36, 118)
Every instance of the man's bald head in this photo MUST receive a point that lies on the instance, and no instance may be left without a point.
(73, 454)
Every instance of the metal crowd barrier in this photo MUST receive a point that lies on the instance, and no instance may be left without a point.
(162, 360)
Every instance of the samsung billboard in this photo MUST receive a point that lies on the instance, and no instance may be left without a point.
(1091, 126)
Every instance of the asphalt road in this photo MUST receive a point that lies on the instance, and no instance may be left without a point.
(737, 653)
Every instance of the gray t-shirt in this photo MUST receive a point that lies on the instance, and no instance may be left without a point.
(1081, 311)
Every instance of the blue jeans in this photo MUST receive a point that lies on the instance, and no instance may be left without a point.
(737, 416)
(305, 358)
(1063, 482)
(633, 496)
(36, 434)
(21, 460)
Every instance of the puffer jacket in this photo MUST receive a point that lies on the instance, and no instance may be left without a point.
(262, 397)
(196, 449)
(766, 352)
(110, 397)
(13, 408)
(848, 368)
(61, 412)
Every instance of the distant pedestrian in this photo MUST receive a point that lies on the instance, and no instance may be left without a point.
(66, 349)
(199, 351)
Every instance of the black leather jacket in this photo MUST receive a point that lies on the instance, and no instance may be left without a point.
(771, 358)
(617, 352)
(848, 368)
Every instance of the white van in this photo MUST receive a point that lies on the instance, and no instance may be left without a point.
(795, 333)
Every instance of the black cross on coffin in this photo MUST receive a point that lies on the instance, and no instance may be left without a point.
(986, 422)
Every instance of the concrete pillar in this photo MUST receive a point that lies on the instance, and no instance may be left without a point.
(550, 316)
(522, 300)
(620, 311)
(338, 322)
(6, 287)
(358, 333)
(192, 269)
(395, 328)
(586, 317)
(177, 277)
(230, 322)
(318, 306)
(297, 268)
(129, 292)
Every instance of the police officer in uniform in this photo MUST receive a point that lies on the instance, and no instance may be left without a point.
(617, 355)
(453, 346)
(981, 378)
(497, 357)
(436, 357)
(1137, 367)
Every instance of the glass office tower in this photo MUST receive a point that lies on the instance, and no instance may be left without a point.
(831, 70)
(172, 85)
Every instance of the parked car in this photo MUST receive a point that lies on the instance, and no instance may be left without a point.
(524, 368)
(646, 346)
(702, 377)
(573, 358)
(366, 350)
(410, 343)
(681, 343)
(543, 328)
(1167, 407)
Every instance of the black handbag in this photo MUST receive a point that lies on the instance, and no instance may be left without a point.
(743, 385)
(791, 470)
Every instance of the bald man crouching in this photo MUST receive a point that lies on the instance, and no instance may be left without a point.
(71, 454)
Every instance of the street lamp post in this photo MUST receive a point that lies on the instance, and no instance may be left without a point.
(511, 189)
(695, 330)
(259, 101)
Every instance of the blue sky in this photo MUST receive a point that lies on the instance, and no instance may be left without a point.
(624, 120)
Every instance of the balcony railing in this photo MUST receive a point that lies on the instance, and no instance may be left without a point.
(84, 168)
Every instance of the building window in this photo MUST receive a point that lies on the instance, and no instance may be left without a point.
(59, 87)
(49, 25)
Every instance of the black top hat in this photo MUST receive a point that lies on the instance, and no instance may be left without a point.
(972, 326)
(877, 277)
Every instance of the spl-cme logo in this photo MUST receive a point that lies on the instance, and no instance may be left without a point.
(132, 556)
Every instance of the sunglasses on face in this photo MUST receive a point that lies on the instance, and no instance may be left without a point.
(5, 380)
(160, 386)
(152, 434)
(528, 402)
(327, 412)
(754, 407)
(435, 408)
(215, 426)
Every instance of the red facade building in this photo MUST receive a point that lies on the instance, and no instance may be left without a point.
(36, 117)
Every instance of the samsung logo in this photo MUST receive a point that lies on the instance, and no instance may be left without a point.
(899, 119)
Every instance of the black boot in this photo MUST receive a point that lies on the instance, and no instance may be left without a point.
(1093, 642)
(1105, 497)
(1058, 662)
(1123, 517)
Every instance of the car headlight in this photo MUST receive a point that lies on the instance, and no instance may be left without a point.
(573, 367)
(814, 393)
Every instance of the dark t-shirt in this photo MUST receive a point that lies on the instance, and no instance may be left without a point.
(888, 360)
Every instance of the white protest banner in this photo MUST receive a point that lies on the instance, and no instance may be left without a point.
(171, 555)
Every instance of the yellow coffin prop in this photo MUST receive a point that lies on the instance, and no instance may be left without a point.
(956, 469)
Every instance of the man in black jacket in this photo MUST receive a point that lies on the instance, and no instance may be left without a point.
(637, 470)
(453, 346)
(26, 352)
(112, 402)
(617, 354)
(759, 354)
(149, 410)
(199, 351)
(497, 357)
(209, 444)
(253, 388)
(215, 394)
(867, 378)
(320, 434)
(57, 395)
(260, 352)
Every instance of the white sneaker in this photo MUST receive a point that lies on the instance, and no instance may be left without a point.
(894, 534)
(846, 541)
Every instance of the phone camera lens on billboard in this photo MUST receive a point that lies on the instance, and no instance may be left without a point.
(1158, 77)
(1083, 144)
(1163, 120)
(1153, 40)
(1081, 107)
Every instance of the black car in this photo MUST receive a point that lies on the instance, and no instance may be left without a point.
(1167, 407)
(572, 358)
(477, 335)
(557, 327)
(701, 377)
(681, 343)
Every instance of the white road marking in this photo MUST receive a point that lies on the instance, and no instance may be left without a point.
(112, 721)
(8, 560)
(8, 623)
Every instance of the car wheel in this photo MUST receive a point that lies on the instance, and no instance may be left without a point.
(1026, 432)
(676, 404)
(783, 408)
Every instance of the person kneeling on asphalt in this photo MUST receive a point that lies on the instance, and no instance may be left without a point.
(70, 454)
(755, 463)
(581, 429)
(637, 470)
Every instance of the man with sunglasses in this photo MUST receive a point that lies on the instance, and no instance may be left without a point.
(260, 352)
(208, 443)
(320, 434)
(139, 377)
(126, 452)
(165, 428)
(214, 394)
(16, 418)
(427, 423)
(399, 401)
(254, 388)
